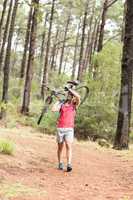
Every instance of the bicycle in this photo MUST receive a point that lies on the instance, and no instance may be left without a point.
(82, 90)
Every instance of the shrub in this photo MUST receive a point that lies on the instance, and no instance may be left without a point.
(6, 147)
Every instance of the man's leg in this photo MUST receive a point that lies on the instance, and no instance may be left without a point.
(69, 136)
(59, 154)
(69, 155)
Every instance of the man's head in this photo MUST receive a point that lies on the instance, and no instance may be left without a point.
(70, 96)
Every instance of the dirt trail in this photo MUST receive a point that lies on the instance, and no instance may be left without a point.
(31, 174)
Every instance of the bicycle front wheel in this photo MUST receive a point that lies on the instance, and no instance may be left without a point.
(83, 91)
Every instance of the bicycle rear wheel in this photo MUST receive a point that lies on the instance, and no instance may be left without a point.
(45, 110)
(48, 101)
(83, 91)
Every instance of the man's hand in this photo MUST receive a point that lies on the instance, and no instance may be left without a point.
(56, 107)
(76, 95)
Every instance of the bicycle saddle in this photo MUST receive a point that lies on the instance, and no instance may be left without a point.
(73, 82)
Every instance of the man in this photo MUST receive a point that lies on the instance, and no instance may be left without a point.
(65, 126)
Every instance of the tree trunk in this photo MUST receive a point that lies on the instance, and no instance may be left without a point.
(66, 60)
(2, 19)
(107, 4)
(124, 114)
(45, 71)
(101, 36)
(15, 53)
(29, 71)
(96, 36)
(123, 23)
(26, 44)
(80, 69)
(43, 39)
(75, 54)
(92, 43)
(93, 66)
(87, 50)
(56, 56)
(54, 50)
(5, 35)
(63, 47)
(7, 60)
(43, 46)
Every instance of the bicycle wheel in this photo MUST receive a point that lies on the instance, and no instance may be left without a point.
(83, 91)
(45, 110)
(48, 101)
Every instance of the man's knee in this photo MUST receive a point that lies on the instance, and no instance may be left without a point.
(68, 145)
(60, 146)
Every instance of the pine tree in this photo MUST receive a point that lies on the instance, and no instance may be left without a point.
(124, 114)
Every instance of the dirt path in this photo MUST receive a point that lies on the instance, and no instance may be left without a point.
(31, 174)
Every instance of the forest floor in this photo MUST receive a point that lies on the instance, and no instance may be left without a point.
(32, 174)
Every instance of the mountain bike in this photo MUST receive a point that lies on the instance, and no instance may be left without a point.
(82, 90)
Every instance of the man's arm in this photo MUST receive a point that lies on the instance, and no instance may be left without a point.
(77, 97)
(56, 107)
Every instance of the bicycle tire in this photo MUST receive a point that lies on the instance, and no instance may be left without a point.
(83, 92)
(40, 118)
(48, 101)
(45, 109)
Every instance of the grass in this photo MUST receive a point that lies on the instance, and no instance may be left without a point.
(6, 147)
(125, 198)
(17, 189)
(126, 154)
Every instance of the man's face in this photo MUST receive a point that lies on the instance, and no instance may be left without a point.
(69, 96)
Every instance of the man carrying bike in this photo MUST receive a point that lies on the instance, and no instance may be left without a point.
(65, 126)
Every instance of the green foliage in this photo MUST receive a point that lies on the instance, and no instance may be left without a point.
(3, 105)
(6, 147)
(131, 136)
(48, 123)
(58, 81)
(98, 116)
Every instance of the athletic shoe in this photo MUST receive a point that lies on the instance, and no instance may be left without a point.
(61, 166)
(69, 168)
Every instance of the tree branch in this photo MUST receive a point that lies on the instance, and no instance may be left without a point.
(111, 38)
(111, 3)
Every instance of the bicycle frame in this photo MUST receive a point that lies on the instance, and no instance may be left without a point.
(54, 93)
